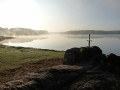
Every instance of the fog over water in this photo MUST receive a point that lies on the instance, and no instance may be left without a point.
(108, 43)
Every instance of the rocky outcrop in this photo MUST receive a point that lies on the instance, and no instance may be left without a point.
(79, 55)
(65, 77)
(94, 73)
(96, 80)
(72, 56)
(112, 63)
(95, 57)
(47, 79)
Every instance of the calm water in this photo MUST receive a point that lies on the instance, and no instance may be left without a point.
(108, 43)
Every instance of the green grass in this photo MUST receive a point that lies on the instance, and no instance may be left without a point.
(12, 57)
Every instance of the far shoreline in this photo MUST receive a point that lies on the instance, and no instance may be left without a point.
(5, 37)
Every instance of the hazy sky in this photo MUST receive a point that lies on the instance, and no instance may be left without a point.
(61, 15)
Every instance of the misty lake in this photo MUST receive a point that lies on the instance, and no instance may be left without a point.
(108, 43)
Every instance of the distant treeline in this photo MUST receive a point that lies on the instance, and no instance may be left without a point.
(92, 32)
(20, 31)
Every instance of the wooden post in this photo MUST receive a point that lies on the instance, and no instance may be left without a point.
(89, 41)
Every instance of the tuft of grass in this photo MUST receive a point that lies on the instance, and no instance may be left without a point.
(11, 57)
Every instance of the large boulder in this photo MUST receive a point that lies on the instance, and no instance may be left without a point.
(87, 53)
(83, 54)
(72, 56)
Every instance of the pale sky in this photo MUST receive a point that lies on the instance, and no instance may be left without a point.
(61, 15)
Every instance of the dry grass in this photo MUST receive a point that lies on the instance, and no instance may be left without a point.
(19, 73)
(15, 63)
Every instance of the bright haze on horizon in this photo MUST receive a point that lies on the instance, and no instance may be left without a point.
(60, 15)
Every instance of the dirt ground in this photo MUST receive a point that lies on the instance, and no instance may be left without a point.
(19, 73)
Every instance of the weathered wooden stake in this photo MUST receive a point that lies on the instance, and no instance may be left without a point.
(89, 41)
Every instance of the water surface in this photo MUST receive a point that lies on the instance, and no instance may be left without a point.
(108, 43)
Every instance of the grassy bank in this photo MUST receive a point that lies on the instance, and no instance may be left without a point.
(11, 57)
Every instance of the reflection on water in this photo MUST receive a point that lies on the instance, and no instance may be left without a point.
(23, 39)
(94, 36)
(83, 36)
(108, 43)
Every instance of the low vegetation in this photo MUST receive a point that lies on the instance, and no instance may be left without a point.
(11, 57)
(3, 38)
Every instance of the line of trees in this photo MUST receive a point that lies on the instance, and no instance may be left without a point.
(20, 31)
(92, 32)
